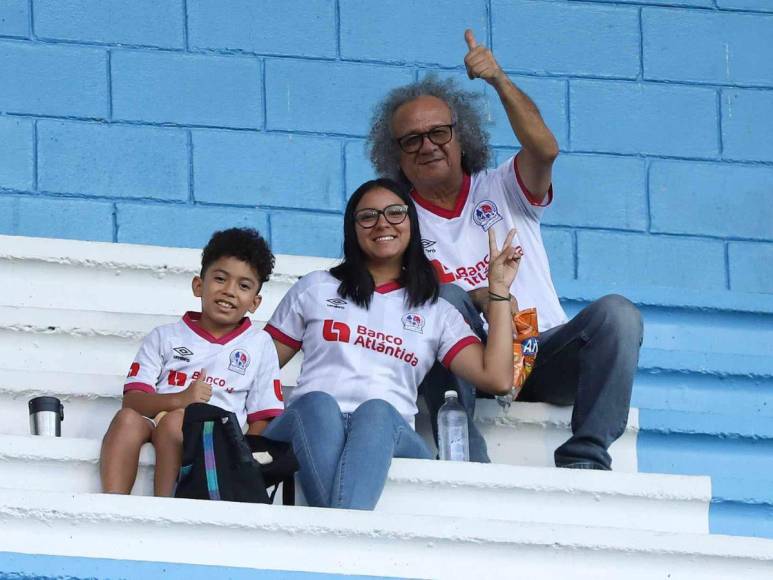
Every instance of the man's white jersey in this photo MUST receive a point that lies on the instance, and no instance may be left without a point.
(242, 366)
(456, 241)
(356, 354)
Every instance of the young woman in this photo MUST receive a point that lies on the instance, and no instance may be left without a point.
(370, 329)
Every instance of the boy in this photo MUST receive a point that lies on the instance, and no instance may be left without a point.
(214, 357)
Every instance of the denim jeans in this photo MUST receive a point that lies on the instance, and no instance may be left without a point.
(344, 457)
(589, 362)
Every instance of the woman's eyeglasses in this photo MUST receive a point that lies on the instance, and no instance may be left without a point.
(439, 135)
(393, 214)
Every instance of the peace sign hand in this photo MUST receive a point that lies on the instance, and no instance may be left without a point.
(503, 264)
(480, 61)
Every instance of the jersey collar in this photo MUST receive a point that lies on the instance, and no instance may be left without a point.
(461, 199)
(388, 287)
(191, 319)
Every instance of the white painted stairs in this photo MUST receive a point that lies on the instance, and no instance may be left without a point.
(71, 317)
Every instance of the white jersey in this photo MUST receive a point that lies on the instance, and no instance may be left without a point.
(457, 243)
(242, 366)
(356, 354)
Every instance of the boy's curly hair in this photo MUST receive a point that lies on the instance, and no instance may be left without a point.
(244, 244)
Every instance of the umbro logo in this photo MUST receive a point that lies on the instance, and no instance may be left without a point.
(428, 245)
(183, 353)
(336, 303)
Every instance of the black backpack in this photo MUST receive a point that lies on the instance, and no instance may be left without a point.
(217, 461)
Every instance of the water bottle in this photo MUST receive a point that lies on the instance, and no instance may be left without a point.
(453, 438)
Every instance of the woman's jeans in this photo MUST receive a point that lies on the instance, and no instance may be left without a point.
(589, 362)
(344, 457)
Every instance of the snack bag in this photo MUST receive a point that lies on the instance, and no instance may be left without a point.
(525, 345)
(525, 348)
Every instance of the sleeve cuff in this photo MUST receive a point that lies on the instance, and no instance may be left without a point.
(280, 336)
(144, 387)
(530, 197)
(457, 348)
(263, 415)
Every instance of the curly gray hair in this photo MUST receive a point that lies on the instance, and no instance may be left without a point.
(465, 113)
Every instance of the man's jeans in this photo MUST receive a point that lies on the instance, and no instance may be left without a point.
(590, 362)
(344, 457)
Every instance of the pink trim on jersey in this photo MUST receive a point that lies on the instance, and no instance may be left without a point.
(457, 348)
(263, 415)
(461, 199)
(529, 195)
(192, 319)
(144, 387)
(277, 334)
(388, 287)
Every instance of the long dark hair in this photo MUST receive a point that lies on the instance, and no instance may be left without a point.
(417, 275)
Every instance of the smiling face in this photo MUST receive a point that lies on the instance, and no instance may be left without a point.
(228, 290)
(384, 242)
(432, 166)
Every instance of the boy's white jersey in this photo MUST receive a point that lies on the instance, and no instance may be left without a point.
(356, 354)
(456, 241)
(242, 366)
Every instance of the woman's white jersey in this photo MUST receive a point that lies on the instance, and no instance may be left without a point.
(356, 354)
(456, 241)
(242, 366)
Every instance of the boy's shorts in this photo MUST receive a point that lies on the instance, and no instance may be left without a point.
(155, 420)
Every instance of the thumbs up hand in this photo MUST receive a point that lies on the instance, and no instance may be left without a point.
(480, 61)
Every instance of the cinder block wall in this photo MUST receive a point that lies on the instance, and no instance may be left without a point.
(158, 121)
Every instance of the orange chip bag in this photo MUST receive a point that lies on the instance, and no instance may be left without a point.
(525, 346)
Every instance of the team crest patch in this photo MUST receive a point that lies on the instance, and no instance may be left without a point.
(238, 361)
(413, 322)
(486, 214)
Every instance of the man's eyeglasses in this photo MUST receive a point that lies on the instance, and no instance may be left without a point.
(393, 214)
(439, 135)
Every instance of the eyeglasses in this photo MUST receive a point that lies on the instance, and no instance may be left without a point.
(439, 135)
(393, 214)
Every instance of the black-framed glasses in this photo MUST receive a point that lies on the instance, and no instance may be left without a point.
(439, 135)
(393, 214)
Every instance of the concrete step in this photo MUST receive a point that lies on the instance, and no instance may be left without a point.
(528, 494)
(121, 277)
(529, 433)
(525, 434)
(153, 280)
(131, 528)
(705, 353)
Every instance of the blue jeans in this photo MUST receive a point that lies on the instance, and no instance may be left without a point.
(344, 457)
(589, 362)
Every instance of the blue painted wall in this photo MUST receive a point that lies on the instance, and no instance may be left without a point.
(156, 122)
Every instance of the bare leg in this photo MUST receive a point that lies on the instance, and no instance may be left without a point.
(121, 450)
(168, 441)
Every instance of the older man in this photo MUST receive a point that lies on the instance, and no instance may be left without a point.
(428, 134)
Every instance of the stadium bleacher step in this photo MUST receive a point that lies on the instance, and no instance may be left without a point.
(703, 393)
(529, 494)
(349, 542)
(37, 344)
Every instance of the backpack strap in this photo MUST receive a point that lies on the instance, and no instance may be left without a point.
(210, 463)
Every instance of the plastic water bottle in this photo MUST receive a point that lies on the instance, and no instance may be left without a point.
(453, 438)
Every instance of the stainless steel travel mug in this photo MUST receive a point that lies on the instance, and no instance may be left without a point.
(46, 416)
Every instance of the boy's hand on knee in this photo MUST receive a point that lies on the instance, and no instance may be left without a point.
(199, 391)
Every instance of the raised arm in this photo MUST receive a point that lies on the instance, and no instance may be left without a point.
(538, 145)
(490, 368)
